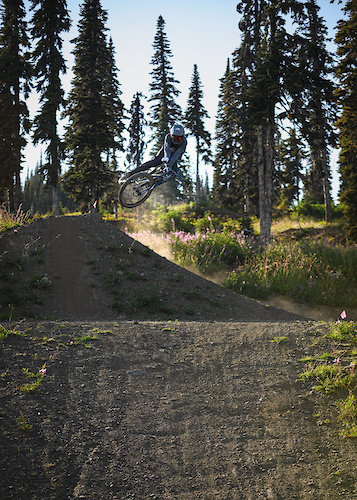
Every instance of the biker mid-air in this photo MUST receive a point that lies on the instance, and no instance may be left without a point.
(142, 180)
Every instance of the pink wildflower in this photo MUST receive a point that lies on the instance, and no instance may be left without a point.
(343, 314)
(336, 361)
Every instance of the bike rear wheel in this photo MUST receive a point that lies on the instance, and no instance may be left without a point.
(136, 190)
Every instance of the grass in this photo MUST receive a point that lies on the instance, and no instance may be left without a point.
(333, 371)
(12, 220)
(85, 340)
(280, 340)
(5, 333)
(312, 267)
(308, 272)
(149, 300)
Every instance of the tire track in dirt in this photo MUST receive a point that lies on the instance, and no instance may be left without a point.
(70, 271)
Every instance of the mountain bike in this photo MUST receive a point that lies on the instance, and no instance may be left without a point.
(138, 187)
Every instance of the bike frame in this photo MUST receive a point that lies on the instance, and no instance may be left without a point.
(162, 177)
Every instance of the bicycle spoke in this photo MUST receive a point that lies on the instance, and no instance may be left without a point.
(135, 190)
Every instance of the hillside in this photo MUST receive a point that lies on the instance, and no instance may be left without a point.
(96, 271)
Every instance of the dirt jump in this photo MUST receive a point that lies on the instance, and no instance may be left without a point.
(152, 382)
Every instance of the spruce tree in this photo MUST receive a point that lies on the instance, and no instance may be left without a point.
(290, 154)
(36, 195)
(346, 72)
(93, 110)
(194, 117)
(114, 105)
(242, 67)
(164, 111)
(15, 76)
(137, 145)
(49, 20)
(228, 144)
(271, 64)
(316, 109)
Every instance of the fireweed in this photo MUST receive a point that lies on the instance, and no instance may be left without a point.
(39, 376)
(317, 273)
(211, 251)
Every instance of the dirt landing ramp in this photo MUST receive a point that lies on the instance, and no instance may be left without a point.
(169, 410)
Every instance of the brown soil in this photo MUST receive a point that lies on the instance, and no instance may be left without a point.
(159, 384)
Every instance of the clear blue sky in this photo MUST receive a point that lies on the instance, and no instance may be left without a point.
(202, 32)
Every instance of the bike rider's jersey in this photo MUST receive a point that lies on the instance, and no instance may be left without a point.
(173, 150)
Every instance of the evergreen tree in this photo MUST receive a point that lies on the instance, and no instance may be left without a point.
(15, 75)
(37, 197)
(242, 65)
(50, 18)
(194, 120)
(94, 110)
(137, 124)
(268, 74)
(346, 73)
(164, 111)
(316, 107)
(114, 106)
(290, 155)
(228, 144)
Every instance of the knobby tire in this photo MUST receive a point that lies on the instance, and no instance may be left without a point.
(136, 190)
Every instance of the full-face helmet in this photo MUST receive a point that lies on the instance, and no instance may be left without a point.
(177, 132)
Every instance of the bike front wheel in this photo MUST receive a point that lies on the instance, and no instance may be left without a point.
(136, 190)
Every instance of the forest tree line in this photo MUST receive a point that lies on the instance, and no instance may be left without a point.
(285, 103)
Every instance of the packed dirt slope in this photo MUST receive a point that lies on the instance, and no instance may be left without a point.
(158, 383)
(98, 272)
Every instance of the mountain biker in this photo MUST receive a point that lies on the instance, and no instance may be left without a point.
(170, 153)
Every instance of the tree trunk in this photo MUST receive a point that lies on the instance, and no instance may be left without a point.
(198, 186)
(18, 191)
(246, 190)
(55, 171)
(265, 159)
(55, 200)
(326, 187)
(11, 203)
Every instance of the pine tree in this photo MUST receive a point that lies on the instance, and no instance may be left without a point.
(228, 144)
(194, 117)
(271, 64)
(164, 111)
(93, 109)
(290, 155)
(346, 73)
(50, 18)
(15, 76)
(316, 107)
(37, 196)
(114, 105)
(137, 145)
(242, 64)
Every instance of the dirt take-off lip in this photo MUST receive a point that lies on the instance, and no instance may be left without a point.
(187, 401)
